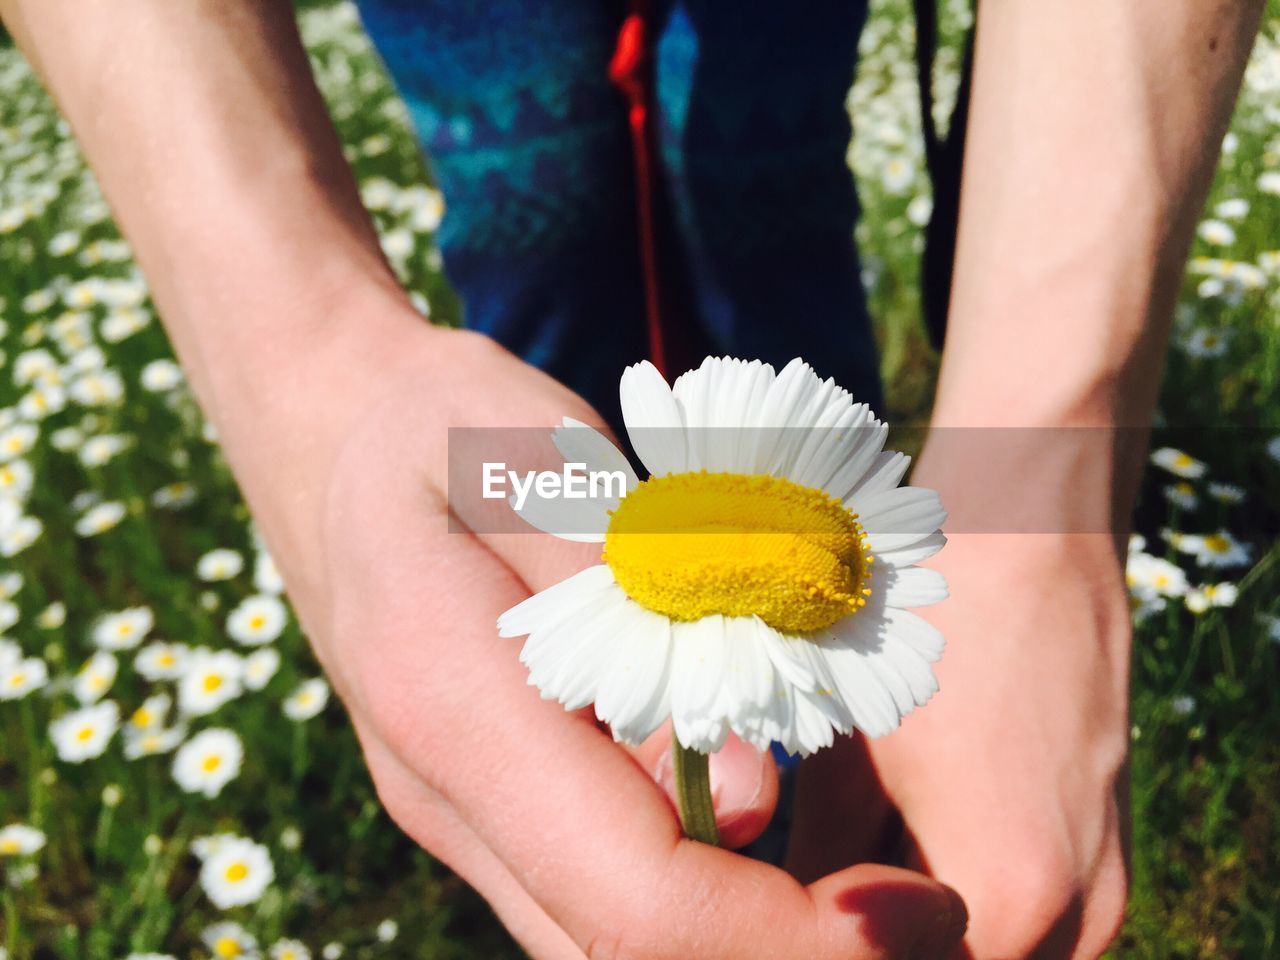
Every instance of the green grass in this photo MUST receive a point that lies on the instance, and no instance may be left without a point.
(1205, 777)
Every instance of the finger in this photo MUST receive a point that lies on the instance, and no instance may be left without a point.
(425, 816)
(839, 786)
(744, 784)
(584, 831)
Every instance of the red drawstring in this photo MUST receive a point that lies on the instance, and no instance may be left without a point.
(629, 72)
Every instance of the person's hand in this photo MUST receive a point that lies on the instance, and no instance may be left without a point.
(1011, 782)
(566, 833)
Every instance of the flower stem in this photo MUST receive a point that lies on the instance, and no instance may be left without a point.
(693, 793)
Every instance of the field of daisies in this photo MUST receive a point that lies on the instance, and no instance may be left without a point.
(174, 777)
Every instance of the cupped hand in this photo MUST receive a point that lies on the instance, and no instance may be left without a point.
(566, 833)
(1011, 782)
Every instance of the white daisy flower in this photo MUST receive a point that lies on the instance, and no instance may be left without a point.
(208, 761)
(150, 956)
(37, 366)
(151, 714)
(1228, 493)
(260, 666)
(289, 950)
(160, 376)
(10, 583)
(230, 941)
(1236, 208)
(1199, 599)
(1182, 495)
(9, 614)
(1149, 576)
(1216, 232)
(220, 564)
(17, 440)
(102, 449)
(1273, 448)
(308, 700)
(257, 619)
(42, 402)
(756, 583)
(266, 575)
(151, 741)
(95, 678)
(211, 679)
(124, 629)
(162, 661)
(21, 677)
(20, 840)
(97, 388)
(63, 242)
(387, 931)
(1183, 705)
(84, 734)
(174, 496)
(123, 322)
(100, 518)
(1206, 342)
(236, 873)
(1269, 182)
(1219, 549)
(16, 479)
(18, 533)
(1178, 463)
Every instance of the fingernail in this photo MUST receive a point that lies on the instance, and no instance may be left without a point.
(944, 933)
(664, 773)
(739, 765)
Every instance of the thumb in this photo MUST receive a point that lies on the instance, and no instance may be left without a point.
(897, 912)
(744, 784)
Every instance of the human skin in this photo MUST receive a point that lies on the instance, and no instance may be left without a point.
(332, 400)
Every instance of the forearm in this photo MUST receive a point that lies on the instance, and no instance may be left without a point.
(203, 124)
(1094, 132)
(214, 148)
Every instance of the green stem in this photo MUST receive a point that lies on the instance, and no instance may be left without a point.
(693, 793)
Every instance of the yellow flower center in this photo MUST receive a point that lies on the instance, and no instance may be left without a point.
(226, 947)
(237, 872)
(212, 682)
(17, 679)
(690, 545)
(1217, 543)
(165, 660)
(211, 763)
(141, 717)
(1182, 461)
(9, 846)
(84, 733)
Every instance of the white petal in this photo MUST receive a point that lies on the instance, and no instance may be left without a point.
(580, 443)
(910, 586)
(638, 668)
(653, 420)
(721, 403)
(886, 472)
(582, 521)
(749, 680)
(907, 510)
(698, 651)
(915, 631)
(548, 605)
(904, 549)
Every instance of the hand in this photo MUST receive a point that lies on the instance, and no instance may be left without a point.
(565, 833)
(1011, 781)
